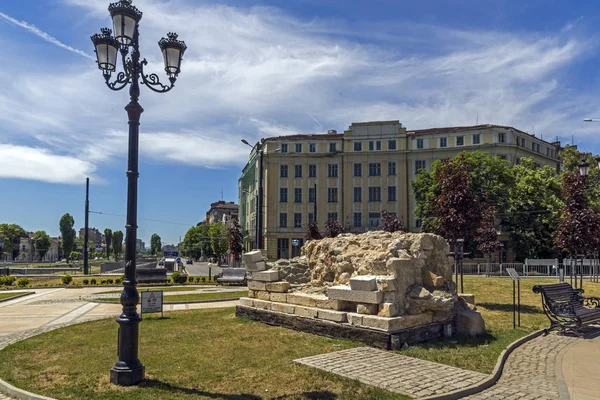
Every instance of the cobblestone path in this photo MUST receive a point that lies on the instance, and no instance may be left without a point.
(394, 372)
(530, 371)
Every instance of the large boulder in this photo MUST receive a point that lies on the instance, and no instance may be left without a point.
(420, 300)
(470, 323)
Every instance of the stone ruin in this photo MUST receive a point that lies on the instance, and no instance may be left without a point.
(384, 288)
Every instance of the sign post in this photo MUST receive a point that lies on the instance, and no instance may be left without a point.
(152, 302)
(516, 296)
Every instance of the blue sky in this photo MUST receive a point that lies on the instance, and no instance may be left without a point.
(260, 68)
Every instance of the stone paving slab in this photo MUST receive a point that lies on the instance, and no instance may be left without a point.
(394, 372)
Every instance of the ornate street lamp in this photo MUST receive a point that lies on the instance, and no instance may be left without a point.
(128, 370)
(584, 168)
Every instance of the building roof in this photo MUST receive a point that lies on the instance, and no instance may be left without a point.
(458, 129)
(312, 136)
(223, 204)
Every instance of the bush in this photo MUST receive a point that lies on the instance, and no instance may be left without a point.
(334, 228)
(93, 281)
(191, 279)
(313, 232)
(22, 282)
(109, 281)
(122, 278)
(168, 280)
(118, 281)
(197, 279)
(203, 279)
(103, 282)
(175, 276)
(67, 279)
(85, 281)
(9, 280)
(391, 223)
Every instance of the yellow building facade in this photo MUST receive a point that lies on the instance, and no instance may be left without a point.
(354, 176)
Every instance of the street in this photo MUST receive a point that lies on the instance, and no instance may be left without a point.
(200, 268)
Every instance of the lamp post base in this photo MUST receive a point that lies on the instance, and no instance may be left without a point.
(125, 376)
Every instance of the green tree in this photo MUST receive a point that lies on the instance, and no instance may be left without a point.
(534, 206)
(117, 244)
(11, 235)
(204, 240)
(68, 234)
(235, 239)
(192, 242)
(218, 239)
(108, 234)
(42, 243)
(155, 244)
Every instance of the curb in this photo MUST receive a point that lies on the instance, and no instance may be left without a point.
(17, 296)
(492, 378)
(99, 301)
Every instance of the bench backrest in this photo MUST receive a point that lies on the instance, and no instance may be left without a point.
(233, 271)
(556, 292)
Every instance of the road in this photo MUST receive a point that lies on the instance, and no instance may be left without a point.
(200, 269)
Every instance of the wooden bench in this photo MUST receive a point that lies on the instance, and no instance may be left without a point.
(151, 275)
(232, 275)
(567, 308)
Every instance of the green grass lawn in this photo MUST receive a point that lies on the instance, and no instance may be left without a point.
(190, 297)
(203, 354)
(5, 296)
(212, 354)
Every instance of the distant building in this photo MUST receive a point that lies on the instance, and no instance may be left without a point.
(93, 234)
(221, 211)
(29, 252)
(140, 245)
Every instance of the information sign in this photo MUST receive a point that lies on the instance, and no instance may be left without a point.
(513, 274)
(516, 296)
(173, 254)
(152, 302)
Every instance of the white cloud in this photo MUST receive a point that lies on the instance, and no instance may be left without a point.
(24, 162)
(257, 72)
(36, 31)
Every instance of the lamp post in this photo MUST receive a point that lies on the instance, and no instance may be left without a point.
(128, 370)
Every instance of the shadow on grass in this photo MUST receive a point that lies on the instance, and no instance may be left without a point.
(456, 341)
(527, 309)
(155, 383)
(310, 396)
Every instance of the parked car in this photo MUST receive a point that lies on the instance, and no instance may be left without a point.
(189, 261)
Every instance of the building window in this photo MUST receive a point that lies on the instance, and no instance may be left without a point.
(284, 147)
(312, 147)
(357, 146)
(371, 145)
(298, 195)
(501, 138)
(332, 170)
(332, 216)
(419, 143)
(357, 194)
(476, 138)
(391, 193)
(311, 195)
(537, 148)
(297, 220)
(298, 171)
(282, 220)
(518, 141)
(532, 146)
(523, 142)
(518, 161)
(283, 195)
(298, 147)
(311, 218)
(378, 145)
(312, 171)
(375, 169)
(420, 164)
(374, 219)
(418, 223)
(357, 219)
(443, 142)
(283, 171)
(460, 140)
(391, 145)
(358, 169)
(332, 195)
(502, 157)
(332, 147)
(391, 168)
(374, 193)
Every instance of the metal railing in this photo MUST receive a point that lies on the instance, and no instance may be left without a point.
(589, 268)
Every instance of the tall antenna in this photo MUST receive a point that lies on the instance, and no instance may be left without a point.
(221, 193)
(477, 119)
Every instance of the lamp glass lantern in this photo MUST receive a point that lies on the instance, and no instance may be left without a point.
(106, 50)
(584, 168)
(125, 18)
(172, 50)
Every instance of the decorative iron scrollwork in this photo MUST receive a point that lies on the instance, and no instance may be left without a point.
(152, 81)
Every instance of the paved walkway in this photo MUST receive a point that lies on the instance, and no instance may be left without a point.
(580, 366)
(394, 372)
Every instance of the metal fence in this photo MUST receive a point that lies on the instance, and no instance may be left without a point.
(551, 267)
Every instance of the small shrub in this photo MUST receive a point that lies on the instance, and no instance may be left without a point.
(93, 281)
(191, 279)
(2, 281)
(103, 282)
(197, 279)
(203, 279)
(23, 282)
(391, 223)
(175, 276)
(168, 280)
(67, 279)
(9, 280)
(109, 281)
(118, 281)
(86, 281)
(313, 232)
(122, 278)
(334, 228)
